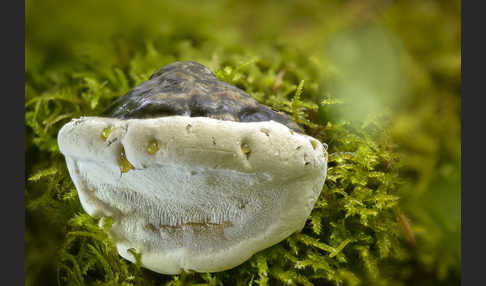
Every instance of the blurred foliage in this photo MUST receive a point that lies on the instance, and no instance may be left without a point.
(379, 81)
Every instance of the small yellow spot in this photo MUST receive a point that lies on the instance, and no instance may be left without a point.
(314, 144)
(125, 165)
(153, 147)
(245, 148)
(106, 132)
(326, 156)
(291, 131)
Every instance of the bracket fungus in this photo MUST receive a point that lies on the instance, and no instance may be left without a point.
(196, 174)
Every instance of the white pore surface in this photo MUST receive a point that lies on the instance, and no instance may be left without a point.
(200, 203)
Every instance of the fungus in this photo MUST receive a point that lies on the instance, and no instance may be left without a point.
(195, 173)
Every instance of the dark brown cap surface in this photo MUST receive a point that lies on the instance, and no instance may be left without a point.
(191, 89)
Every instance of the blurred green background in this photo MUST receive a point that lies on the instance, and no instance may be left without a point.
(396, 64)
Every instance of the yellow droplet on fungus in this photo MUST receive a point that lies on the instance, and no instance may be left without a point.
(106, 132)
(125, 165)
(153, 147)
(245, 148)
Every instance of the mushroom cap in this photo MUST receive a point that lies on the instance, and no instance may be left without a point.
(209, 196)
(196, 174)
(191, 89)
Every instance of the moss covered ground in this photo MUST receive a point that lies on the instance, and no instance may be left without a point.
(378, 81)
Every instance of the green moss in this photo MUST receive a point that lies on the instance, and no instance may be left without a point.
(389, 213)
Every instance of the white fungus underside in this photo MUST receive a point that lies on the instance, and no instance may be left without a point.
(201, 202)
